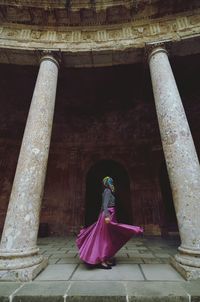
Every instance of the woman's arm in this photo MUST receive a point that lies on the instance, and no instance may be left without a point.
(106, 197)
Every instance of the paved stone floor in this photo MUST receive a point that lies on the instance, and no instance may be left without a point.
(142, 273)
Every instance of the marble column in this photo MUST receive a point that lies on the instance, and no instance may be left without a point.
(182, 162)
(19, 258)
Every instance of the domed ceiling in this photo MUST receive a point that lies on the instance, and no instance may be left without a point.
(96, 32)
(88, 12)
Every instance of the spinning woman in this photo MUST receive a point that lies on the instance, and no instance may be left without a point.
(99, 242)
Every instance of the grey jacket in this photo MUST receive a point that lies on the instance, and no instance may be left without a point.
(108, 200)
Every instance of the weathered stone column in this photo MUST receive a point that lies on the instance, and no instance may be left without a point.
(182, 162)
(19, 258)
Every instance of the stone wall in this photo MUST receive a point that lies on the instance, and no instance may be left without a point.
(101, 114)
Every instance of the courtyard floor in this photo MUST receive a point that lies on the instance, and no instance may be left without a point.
(142, 273)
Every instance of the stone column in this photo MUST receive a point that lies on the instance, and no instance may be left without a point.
(19, 258)
(182, 162)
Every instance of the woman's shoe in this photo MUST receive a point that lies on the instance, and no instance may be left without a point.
(111, 262)
(104, 266)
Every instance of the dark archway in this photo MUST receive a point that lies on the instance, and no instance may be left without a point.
(170, 221)
(94, 191)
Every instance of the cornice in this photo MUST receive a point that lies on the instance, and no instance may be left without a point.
(89, 41)
(135, 34)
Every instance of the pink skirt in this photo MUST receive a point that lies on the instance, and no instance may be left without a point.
(101, 241)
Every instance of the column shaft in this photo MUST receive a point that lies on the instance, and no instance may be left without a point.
(19, 238)
(180, 155)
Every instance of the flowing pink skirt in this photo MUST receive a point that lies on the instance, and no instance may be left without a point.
(101, 241)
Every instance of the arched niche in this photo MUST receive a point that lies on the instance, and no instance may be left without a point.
(94, 190)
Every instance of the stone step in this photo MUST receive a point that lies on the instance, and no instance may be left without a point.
(129, 291)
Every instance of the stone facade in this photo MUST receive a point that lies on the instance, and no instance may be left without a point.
(79, 139)
(105, 121)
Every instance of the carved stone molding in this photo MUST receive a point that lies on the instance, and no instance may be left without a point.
(135, 34)
(83, 46)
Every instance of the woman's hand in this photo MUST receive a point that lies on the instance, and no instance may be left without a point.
(107, 219)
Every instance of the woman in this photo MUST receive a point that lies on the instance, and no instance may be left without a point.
(99, 242)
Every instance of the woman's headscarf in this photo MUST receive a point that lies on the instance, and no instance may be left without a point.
(108, 183)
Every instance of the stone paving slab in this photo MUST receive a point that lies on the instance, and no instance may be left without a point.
(97, 288)
(160, 272)
(147, 256)
(122, 253)
(42, 291)
(59, 255)
(164, 260)
(134, 279)
(136, 242)
(134, 247)
(53, 260)
(152, 260)
(7, 289)
(133, 253)
(162, 255)
(119, 272)
(100, 291)
(156, 291)
(68, 260)
(122, 258)
(72, 253)
(193, 289)
(132, 260)
(57, 272)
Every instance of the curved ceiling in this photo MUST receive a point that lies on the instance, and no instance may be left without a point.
(88, 12)
(96, 32)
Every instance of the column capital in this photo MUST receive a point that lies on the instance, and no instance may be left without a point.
(152, 48)
(53, 56)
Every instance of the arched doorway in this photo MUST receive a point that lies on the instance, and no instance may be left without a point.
(94, 191)
(170, 225)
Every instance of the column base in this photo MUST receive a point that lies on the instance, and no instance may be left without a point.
(23, 274)
(187, 272)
